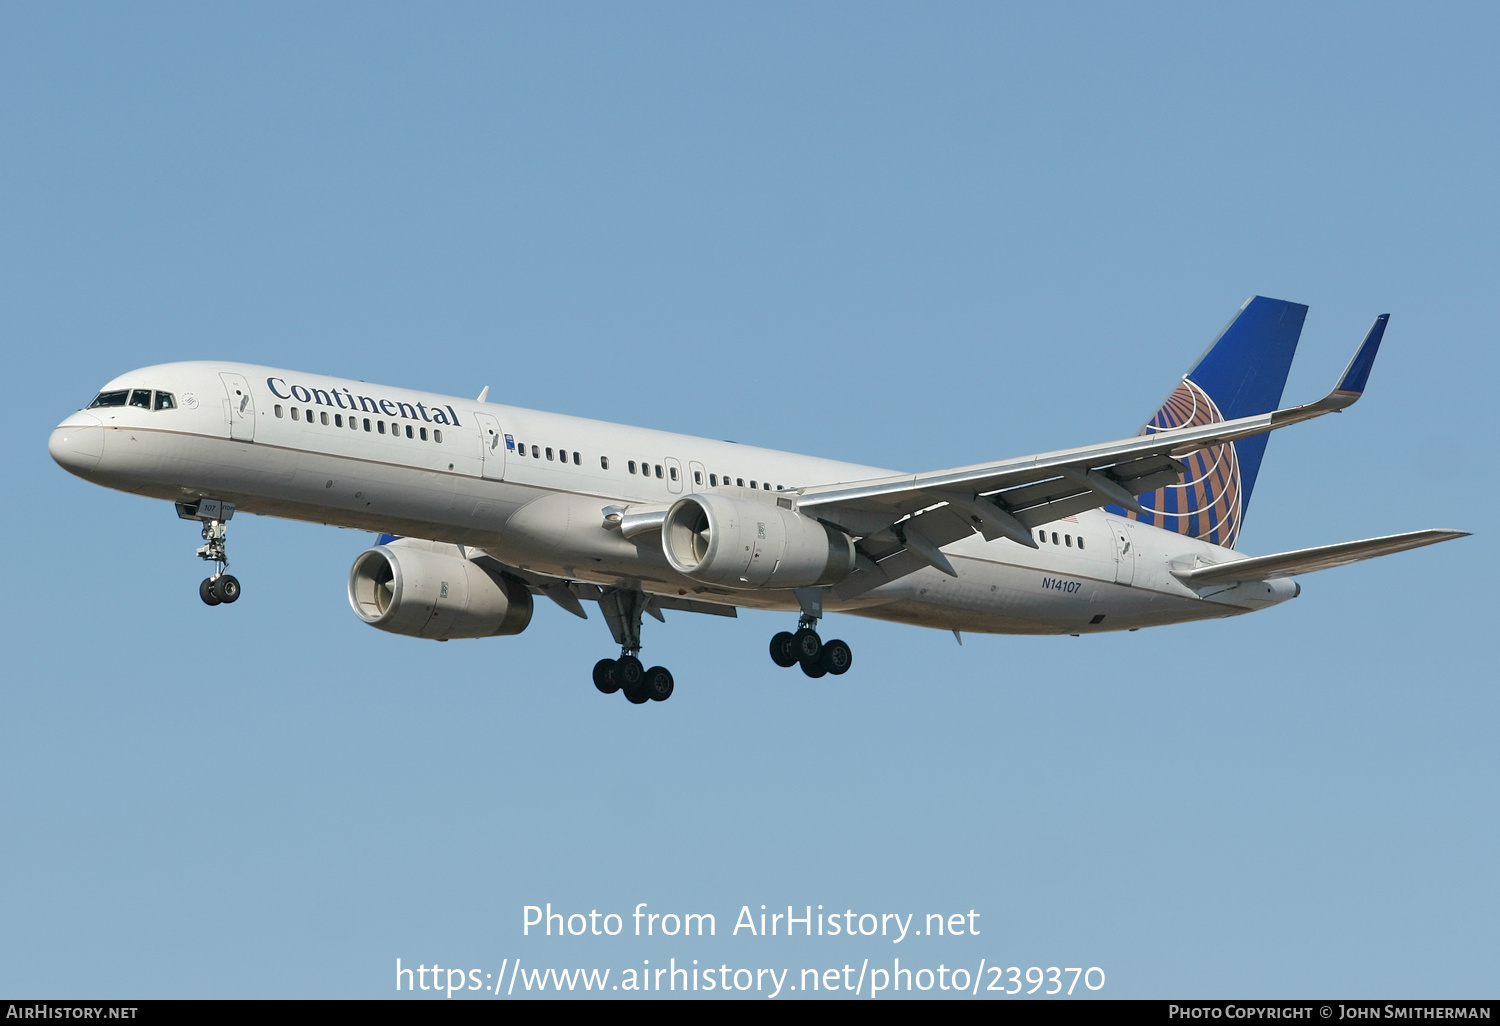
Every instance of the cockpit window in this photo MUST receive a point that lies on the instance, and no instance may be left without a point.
(109, 399)
(141, 397)
(164, 401)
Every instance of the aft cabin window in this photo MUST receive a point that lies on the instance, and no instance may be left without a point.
(164, 401)
(549, 452)
(631, 465)
(603, 462)
(1080, 541)
(536, 452)
(1041, 536)
(106, 399)
(577, 460)
(1054, 538)
(658, 471)
(1068, 540)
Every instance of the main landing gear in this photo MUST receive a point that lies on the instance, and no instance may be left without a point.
(220, 587)
(816, 656)
(622, 608)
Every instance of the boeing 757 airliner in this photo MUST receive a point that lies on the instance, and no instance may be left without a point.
(481, 506)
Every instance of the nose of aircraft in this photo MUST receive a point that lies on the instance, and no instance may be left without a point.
(77, 444)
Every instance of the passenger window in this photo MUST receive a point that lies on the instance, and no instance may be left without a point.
(603, 462)
(324, 418)
(658, 471)
(423, 433)
(1068, 540)
(141, 397)
(164, 401)
(437, 436)
(765, 486)
(278, 411)
(338, 420)
(673, 471)
(296, 414)
(367, 423)
(753, 484)
(1080, 541)
(713, 479)
(549, 452)
(740, 481)
(631, 465)
(1054, 538)
(577, 460)
(408, 431)
(381, 425)
(536, 452)
(697, 477)
(106, 399)
(1041, 536)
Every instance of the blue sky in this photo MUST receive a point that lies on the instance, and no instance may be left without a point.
(908, 237)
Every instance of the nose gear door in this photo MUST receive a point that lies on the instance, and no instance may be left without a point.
(241, 407)
(492, 442)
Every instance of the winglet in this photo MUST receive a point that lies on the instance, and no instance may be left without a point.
(1358, 371)
(1351, 385)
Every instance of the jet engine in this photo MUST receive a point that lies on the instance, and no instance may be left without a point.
(430, 590)
(743, 544)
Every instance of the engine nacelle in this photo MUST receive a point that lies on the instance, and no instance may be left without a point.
(742, 544)
(429, 590)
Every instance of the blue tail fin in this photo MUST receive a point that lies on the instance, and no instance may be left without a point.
(1240, 375)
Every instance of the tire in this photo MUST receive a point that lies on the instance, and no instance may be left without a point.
(658, 684)
(636, 695)
(604, 676)
(629, 673)
(227, 589)
(814, 667)
(208, 593)
(837, 657)
(806, 644)
(782, 653)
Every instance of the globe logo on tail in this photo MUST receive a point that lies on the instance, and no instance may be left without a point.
(1207, 503)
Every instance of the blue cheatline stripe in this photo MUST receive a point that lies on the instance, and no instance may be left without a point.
(386, 539)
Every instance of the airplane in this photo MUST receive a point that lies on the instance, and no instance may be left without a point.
(479, 507)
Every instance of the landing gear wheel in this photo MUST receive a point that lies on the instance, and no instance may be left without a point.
(208, 593)
(783, 652)
(658, 684)
(604, 676)
(227, 589)
(836, 657)
(814, 667)
(636, 694)
(806, 644)
(629, 673)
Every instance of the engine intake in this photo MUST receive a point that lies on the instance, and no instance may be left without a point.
(429, 590)
(740, 544)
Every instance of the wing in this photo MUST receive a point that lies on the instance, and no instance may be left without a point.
(1305, 561)
(903, 522)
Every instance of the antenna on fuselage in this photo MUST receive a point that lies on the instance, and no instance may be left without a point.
(483, 393)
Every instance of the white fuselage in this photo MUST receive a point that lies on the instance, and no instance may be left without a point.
(354, 455)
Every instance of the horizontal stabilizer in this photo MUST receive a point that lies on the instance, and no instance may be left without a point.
(1321, 557)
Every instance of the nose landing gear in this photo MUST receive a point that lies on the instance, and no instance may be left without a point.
(220, 587)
